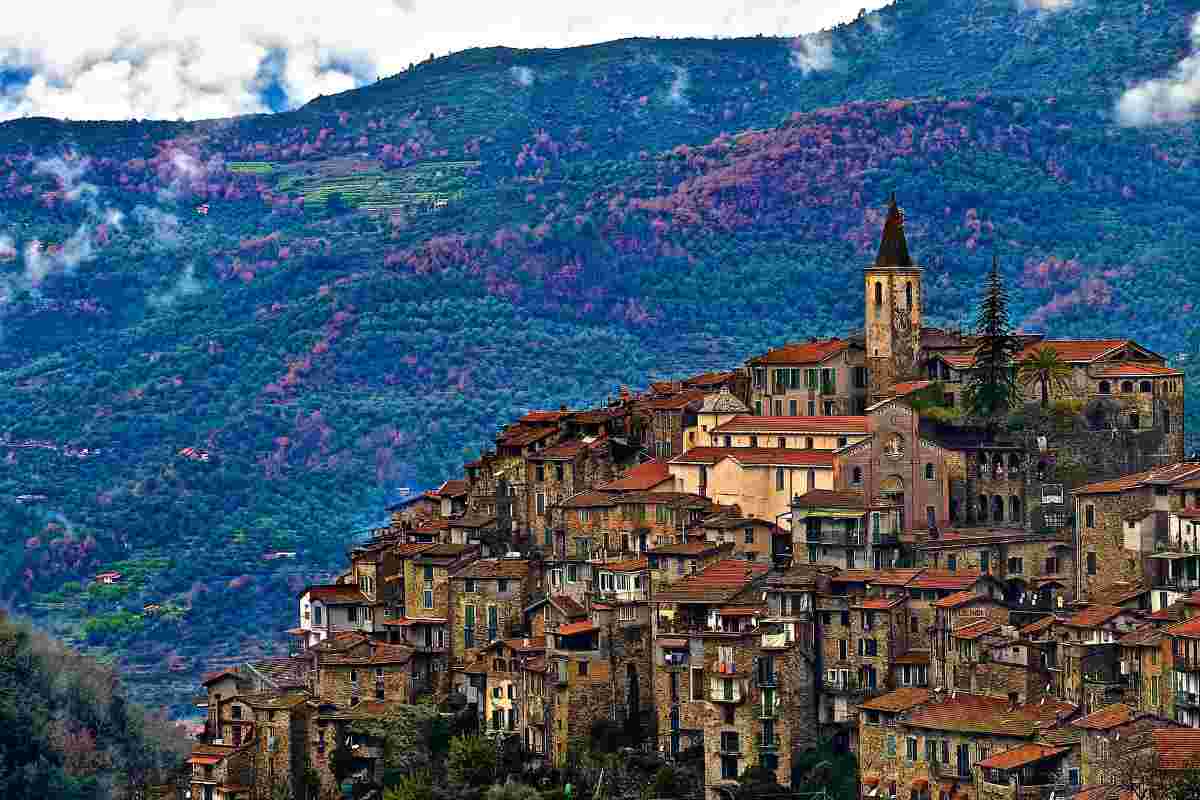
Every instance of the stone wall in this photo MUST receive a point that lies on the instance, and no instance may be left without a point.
(335, 684)
(1103, 557)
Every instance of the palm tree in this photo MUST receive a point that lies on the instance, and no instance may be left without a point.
(1046, 369)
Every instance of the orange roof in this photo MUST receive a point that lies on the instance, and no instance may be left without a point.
(900, 700)
(1092, 616)
(978, 714)
(749, 423)
(934, 579)
(1106, 718)
(717, 583)
(905, 389)
(976, 629)
(544, 416)
(1073, 350)
(757, 456)
(803, 353)
(452, 488)
(628, 565)
(1035, 628)
(1189, 628)
(958, 599)
(573, 628)
(740, 611)
(1172, 473)
(888, 577)
(880, 603)
(641, 478)
(337, 593)
(485, 568)
(1130, 369)
(1020, 756)
(1177, 748)
(912, 657)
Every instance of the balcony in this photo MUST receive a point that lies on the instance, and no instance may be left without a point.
(733, 692)
(852, 686)
(765, 742)
(778, 641)
(768, 710)
(767, 679)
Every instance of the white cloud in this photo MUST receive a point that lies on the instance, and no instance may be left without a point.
(150, 59)
(678, 86)
(1173, 99)
(813, 53)
(522, 75)
(186, 286)
(164, 226)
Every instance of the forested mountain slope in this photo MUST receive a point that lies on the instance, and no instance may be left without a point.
(329, 303)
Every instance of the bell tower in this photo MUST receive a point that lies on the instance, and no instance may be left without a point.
(892, 320)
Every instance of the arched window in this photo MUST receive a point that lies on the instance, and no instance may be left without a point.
(856, 476)
(997, 508)
(878, 293)
(929, 472)
(1146, 387)
(1014, 508)
(908, 295)
(1105, 388)
(1126, 387)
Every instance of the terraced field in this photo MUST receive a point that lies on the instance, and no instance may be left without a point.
(250, 167)
(420, 187)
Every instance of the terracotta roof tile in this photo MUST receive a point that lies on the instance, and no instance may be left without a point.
(1133, 369)
(1171, 473)
(1177, 748)
(970, 713)
(643, 477)
(1043, 624)
(717, 583)
(1093, 616)
(826, 498)
(803, 353)
(628, 565)
(900, 700)
(336, 593)
(749, 423)
(709, 379)
(880, 603)
(886, 577)
(1073, 350)
(675, 402)
(566, 451)
(697, 548)
(912, 657)
(452, 488)
(568, 606)
(378, 653)
(976, 629)
(592, 499)
(574, 628)
(1022, 755)
(486, 568)
(905, 389)
(935, 579)
(757, 456)
(544, 416)
(523, 436)
(1188, 628)
(958, 599)
(1149, 636)
(1106, 718)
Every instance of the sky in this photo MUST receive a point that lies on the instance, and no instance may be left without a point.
(199, 59)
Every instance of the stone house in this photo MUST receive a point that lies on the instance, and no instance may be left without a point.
(670, 416)
(761, 481)
(452, 496)
(1036, 570)
(351, 669)
(931, 745)
(1184, 639)
(840, 528)
(962, 611)
(715, 410)
(404, 513)
(820, 377)
(1146, 662)
(752, 539)
(281, 741)
(548, 612)
(221, 772)
(933, 585)
(649, 476)
(625, 587)
(327, 610)
(723, 681)
(1103, 732)
(556, 473)
(669, 563)
(477, 528)
(505, 701)
(1102, 511)
(489, 598)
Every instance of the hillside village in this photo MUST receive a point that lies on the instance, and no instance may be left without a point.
(818, 546)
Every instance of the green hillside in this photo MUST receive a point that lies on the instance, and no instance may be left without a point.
(254, 330)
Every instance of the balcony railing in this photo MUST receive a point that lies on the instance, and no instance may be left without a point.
(768, 710)
(853, 685)
(767, 679)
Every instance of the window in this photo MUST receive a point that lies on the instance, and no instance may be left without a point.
(911, 748)
(758, 407)
(929, 472)
(908, 295)
(1014, 509)
(1126, 387)
(781, 442)
(729, 441)
(842, 440)
(729, 771)
(860, 377)
(812, 480)
(812, 408)
(1146, 387)
(1051, 565)
(856, 476)
(952, 562)
(697, 683)
(754, 441)
(1104, 388)
(428, 598)
(779, 479)
(541, 503)
(469, 586)
(1016, 565)
(352, 613)
(842, 649)
(558, 472)
(539, 473)
(878, 293)
(793, 407)
(811, 378)
(236, 711)
(1089, 517)
(779, 408)
(891, 745)
(828, 409)
(749, 536)
(316, 615)
(1091, 563)
(502, 585)
(572, 573)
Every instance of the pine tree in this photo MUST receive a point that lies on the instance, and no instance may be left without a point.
(992, 388)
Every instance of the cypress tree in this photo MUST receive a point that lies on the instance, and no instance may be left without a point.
(993, 388)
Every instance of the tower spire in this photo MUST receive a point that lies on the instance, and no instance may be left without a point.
(893, 247)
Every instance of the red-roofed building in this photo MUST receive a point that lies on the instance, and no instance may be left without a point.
(760, 481)
(820, 377)
(649, 476)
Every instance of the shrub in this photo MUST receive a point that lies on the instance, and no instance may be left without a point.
(472, 761)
